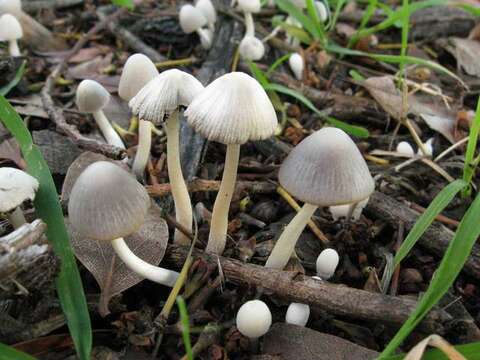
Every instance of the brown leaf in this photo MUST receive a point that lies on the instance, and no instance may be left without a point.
(435, 341)
(383, 90)
(466, 52)
(9, 150)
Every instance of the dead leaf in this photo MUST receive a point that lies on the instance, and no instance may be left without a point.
(435, 341)
(444, 126)
(90, 53)
(383, 90)
(93, 70)
(466, 52)
(9, 150)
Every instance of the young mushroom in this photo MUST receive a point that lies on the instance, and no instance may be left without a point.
(11, 31)
(159, 102)
(91, 98)
(137, 72)
(297, 314)
(193, 20)
(232, 110)
(16, 187)
(254, 319)
(296, 65)
(405, 148)
(327, 262)
(251, 48)
(249, 7)
(208, 10)
(322, 11)
(342, 211)
(325, 169)
(110, 208)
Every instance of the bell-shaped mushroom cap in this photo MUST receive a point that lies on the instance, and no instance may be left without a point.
(326, 169)
(91, 96)
(233, 109)
(10, 6)
(251, 48)
(163, 94)
(16, 186)
(191, 19)
(249, 6)
(208, 10)
(254, 319)
(106, 202)
(137, 72)
(327, 262)
(10, 28)
(296, 64)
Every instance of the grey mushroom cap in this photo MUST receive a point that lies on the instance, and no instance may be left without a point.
(16, 186)
(137, 72)
(327, 169)
(91, 96)
(107, 202)
(233, 109)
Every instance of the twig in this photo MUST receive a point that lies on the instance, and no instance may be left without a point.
(208, 336)
(441, 218)
(26, 235)
(398, 243)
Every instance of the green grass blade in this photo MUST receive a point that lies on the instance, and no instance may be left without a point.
(296, 32)
(351, 129)
(438, 204)
(313, 14)
(9, 353)
(452, 263)
(469, 166)
(470, 351)
(129, 4)
(307, 23)
(185, 327)
(277, 63)
(336, 14)
(4, 90)
(68, 282)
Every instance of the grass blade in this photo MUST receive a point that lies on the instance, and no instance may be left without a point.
(452, 263)
(469, 166)
(307, 23)
(18, 76)
(68, 282)
(438, 204)
(9, 353)
(185, 327)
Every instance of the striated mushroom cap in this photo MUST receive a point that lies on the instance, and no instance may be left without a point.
(164, 94)
(191, 19)
(10, 28)
(208, 10)
(326, 169)
(251, 48)
(233, 109)
(249, 6)
(16, 186)
(106, 202)
(91, 96)
(137, 72)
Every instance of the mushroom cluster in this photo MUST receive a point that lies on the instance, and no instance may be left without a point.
(250, 47)
(199, 19)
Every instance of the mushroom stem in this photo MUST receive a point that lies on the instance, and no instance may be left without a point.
(285, 245)
(107, 130)
(206, 37)
(181, 198)
(16, 218)
(143, 150)
(218, 227)
(249, 24)
(148, 271)
(13, 48)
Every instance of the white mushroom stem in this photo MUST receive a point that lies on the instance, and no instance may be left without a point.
(285, 245)
(13, 48)
(181, 198)
(219, 224)
(16, 218)
(143, 150)
(148, 271)
(249, 24)
(206, 37)
(107, 130)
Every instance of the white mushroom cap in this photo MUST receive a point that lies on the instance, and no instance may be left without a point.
(327, 263)
(106, 202)
(297, 314)
(233, 109)
(137, 72)
(91, 96)
(405, 148)
(296, 64)
(254, 319)
(16, 186)
(208, 10)
(340, 211)
(249, 6)
(428, 148)
(321, 10)
(10, 7)
(10, 28)
(251, 48)
(326, 169)
(164, 94)
(191, 19)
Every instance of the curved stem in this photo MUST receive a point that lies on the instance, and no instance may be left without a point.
(206, 38)
(13, 48)
(148, 271)
(107, 130)
(181, 198)
(249, 24)
(16, 218)
(285, 245)
(219, 224)
(143, 149)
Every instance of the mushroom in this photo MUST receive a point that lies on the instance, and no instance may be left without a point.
(193, 20)
(92, 98)
(13, 7)
(327, 262)
(297, 314)
(254, 319)
(137, 72)
(208, 10)
(16, 187)
(110, 208)
(248, 7)
(159, 102)
(341, 211)
(405, 148)
(232, 110)
(11, 31)
(322, 11)
(325, 169)
(428, 145)
(296, 65)
(251, 48)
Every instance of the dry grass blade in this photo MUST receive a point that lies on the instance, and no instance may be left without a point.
(435, 341)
